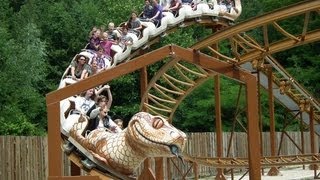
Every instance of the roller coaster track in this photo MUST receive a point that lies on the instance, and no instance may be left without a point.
(244, 48)
(265, 161)
(176, 79)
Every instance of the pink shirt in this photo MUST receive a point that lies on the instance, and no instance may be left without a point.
(106, 45)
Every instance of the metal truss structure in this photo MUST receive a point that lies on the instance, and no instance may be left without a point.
(250, 63)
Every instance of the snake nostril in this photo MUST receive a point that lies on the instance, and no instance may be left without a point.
(174, 134)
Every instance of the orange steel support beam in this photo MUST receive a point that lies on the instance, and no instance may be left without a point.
(169, 173)
(143, 82)
(195, 170)
(53, 100)
(253, 128)
(159, 168)
(54, 150)
(273, 171)
(312, 138)
(302, 136)
(260, 114)
(219, 143)
(251, 94)
(75, 170)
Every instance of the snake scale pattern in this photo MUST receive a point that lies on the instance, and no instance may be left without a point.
(146, 136)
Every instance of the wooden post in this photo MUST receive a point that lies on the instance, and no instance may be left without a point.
(219, 144)
(195, 170)
(260, 115)
(159, 168)
(54, 149)
(302, 136)
(143, 83)
(312, 138)
(75, 170)
(253, 129)
(169, 173)
(273, 170)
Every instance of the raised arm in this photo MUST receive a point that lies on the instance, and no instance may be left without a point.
(106, 87)
(109, 103)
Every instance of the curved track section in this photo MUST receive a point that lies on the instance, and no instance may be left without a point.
(244, 46)
(171, 85)
(177, 79)
(210, 14)
(162, 96)
(207, 14)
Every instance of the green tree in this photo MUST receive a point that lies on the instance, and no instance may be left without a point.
(22, 70)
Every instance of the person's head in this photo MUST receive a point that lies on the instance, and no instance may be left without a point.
(102, 101)
(111, 26)
(155, 2)
(124, 30)
(119, 122)
(82, 59)
(105, 36)
(147, 2)
(134, 15)
(100, 51)
(94, 65)
(88, 94)
(103, 111)
(95, 32)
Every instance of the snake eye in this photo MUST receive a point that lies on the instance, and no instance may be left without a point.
(157, 123)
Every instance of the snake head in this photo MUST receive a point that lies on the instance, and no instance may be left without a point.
(155, 136)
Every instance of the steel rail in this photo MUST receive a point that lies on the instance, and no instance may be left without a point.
(280, 46)
(267, 161)
(308, 37)
(290, 11)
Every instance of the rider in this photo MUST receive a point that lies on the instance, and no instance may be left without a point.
(102, 121)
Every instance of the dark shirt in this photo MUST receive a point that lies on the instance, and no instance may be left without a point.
(94, 42)
(155, 11)
(93, 123)
(148, 11)
(112, 36)
(186, 1)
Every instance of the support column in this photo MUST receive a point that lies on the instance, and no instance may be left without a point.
(169, 173)
(159, 168)
(195, 170)
(260, 115)
(312, 138)
(302, 136)
(274, 170)
(75, 170)
(254, 154)
(54, 142)
(143, 83)
(54, 146)
(219, 144)
(147, 172)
